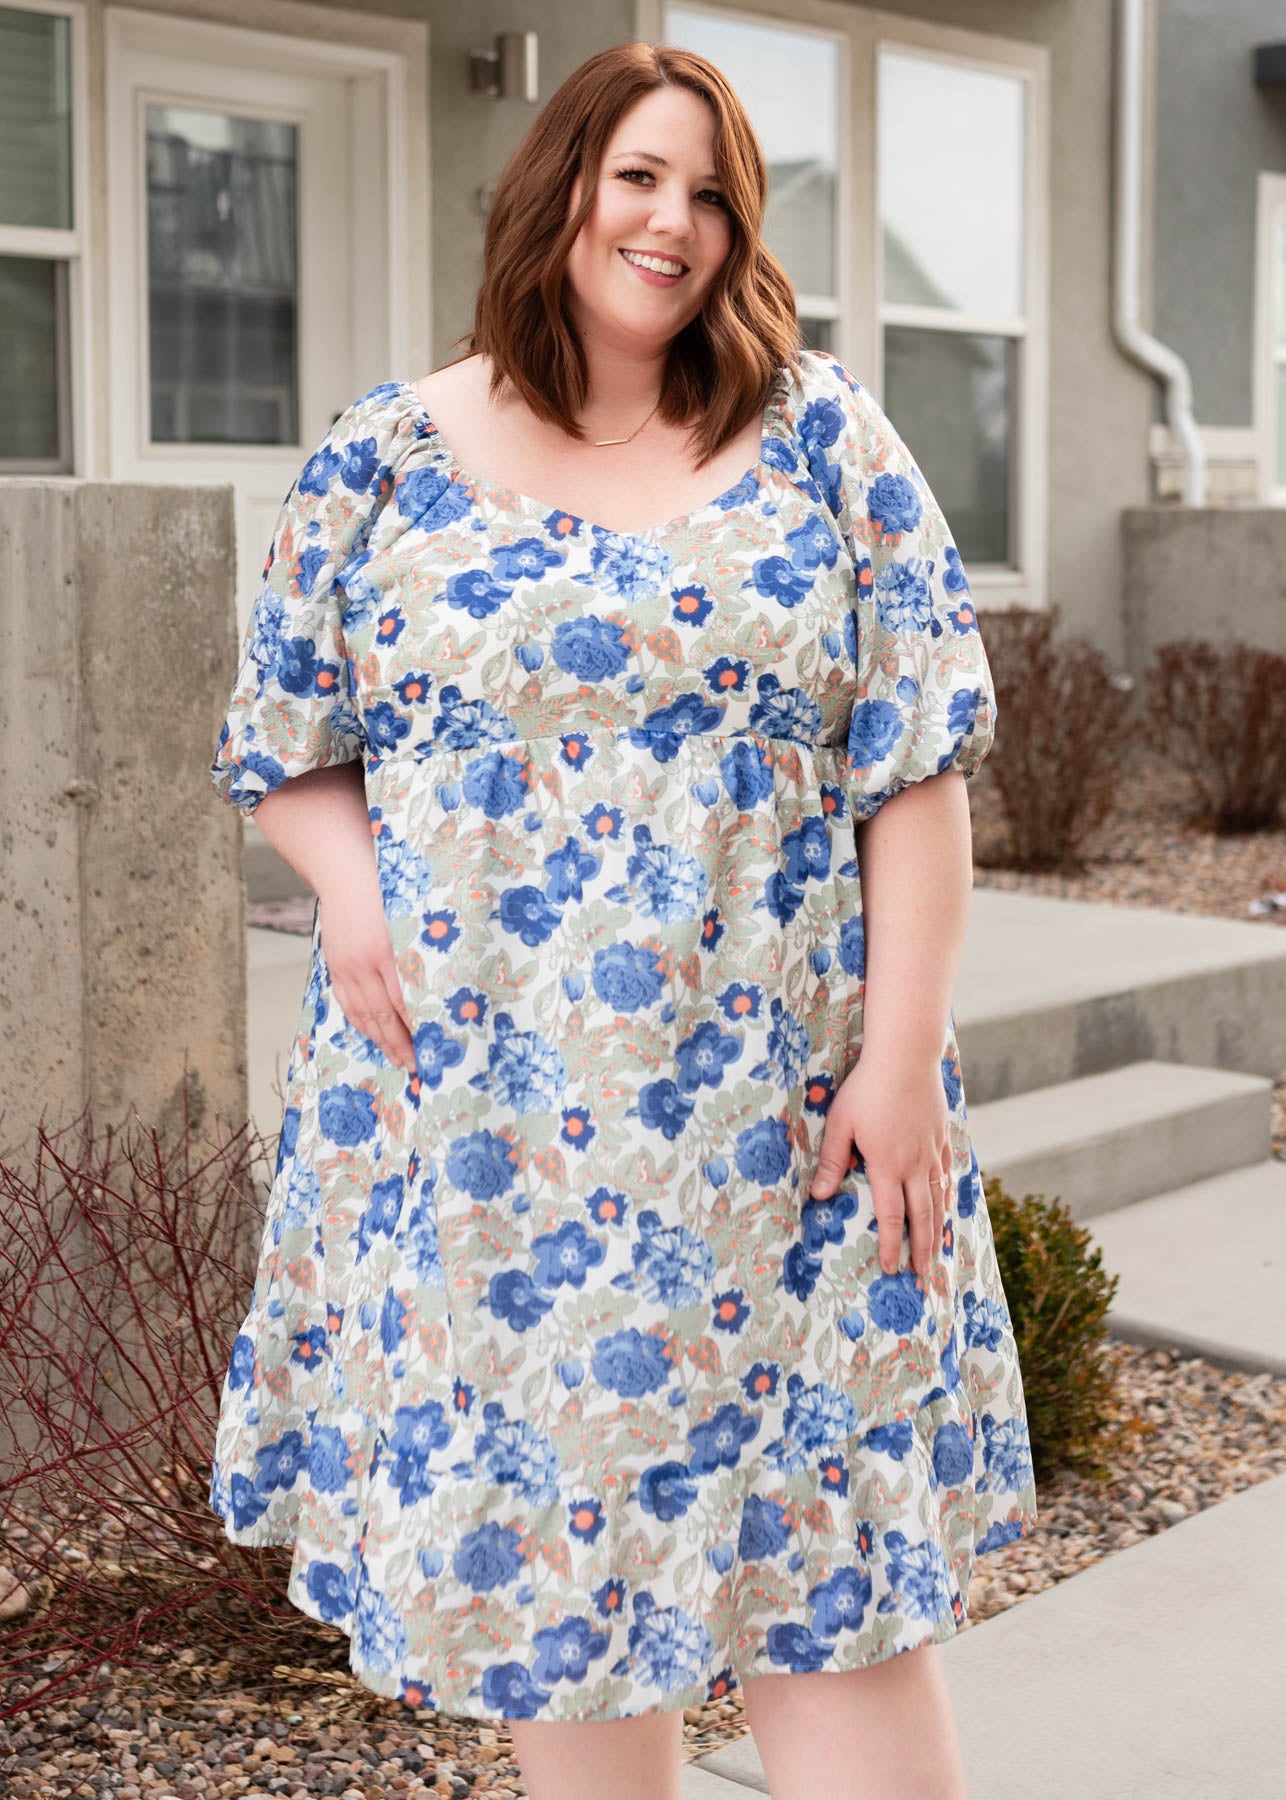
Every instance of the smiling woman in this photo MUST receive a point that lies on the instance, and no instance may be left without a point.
(627, 1326)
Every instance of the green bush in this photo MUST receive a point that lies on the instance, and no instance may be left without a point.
(1058, 1297)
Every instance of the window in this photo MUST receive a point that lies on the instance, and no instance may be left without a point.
(36, 237)
(223, 277)
(909, 177)
(772, 67)
(951, 159)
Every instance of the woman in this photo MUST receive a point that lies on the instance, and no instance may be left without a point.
(583, 1369)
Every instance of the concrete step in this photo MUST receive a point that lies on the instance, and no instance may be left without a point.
(1203, 1268)
(1155, 1673)
(1050, 990)
(1111, 1139)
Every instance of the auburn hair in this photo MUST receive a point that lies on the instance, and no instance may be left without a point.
(721, 367)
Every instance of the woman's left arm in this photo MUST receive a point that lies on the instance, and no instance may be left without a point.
(923, 718)
(916, 862)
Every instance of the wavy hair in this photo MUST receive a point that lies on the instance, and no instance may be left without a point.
(721, 367)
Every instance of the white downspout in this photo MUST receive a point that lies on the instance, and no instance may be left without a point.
(1146, 350)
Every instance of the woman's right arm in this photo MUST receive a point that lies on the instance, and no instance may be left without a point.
(319, 824)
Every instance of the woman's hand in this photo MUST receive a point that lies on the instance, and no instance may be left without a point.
(899, 1119)
(359, 954)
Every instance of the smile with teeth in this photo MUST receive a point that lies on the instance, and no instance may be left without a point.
(659, 265)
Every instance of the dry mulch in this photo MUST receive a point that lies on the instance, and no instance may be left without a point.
(187, 1726)
(1149, 851)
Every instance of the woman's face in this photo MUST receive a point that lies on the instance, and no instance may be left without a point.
(657, 197)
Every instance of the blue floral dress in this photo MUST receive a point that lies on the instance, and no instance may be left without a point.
(569, 1399)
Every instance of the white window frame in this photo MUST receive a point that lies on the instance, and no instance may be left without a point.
(863, 314)
(71, 245)
(840, 308)
(1270, 209)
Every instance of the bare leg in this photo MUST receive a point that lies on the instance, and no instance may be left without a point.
(885, 1732)
(600, 1759)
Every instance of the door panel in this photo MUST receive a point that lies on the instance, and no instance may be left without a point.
(233, 327)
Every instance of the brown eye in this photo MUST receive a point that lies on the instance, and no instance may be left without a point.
(711, 194)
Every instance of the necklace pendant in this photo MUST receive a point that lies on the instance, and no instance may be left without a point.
(599, 443)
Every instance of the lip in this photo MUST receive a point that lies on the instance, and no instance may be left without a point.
(665, 255)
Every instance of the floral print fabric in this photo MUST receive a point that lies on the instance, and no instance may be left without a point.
(570, 1400)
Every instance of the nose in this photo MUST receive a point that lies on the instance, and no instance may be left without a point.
(671, 212)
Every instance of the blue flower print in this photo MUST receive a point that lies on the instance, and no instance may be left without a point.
(590, 649)
(894, 504)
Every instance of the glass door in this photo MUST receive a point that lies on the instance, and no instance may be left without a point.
(234, 299)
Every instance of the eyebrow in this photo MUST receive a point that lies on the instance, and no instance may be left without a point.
(661, 163)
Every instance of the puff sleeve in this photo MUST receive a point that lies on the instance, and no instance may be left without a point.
(924, 698)
(292, 707)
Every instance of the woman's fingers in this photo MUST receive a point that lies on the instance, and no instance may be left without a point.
(402, 1027)
(920, 1218)
(364, 980)
(890, 1218)
(366, 1003)
(942, 1197)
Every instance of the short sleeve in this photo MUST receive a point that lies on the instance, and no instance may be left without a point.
(924, 697)
(292, 707)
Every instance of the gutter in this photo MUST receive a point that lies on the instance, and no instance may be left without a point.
(1157, 358)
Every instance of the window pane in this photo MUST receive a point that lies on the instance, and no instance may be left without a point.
(1280, 276)
(1281, 425)
(951, 396)
(223, 295)
(951, 185)
(818, 334)
(35, 119)
(31, 316)
(788, 83)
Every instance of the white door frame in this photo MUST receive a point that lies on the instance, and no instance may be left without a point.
(391, 152)
(390, 227)
(351, 107)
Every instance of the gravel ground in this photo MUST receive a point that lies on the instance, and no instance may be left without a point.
(185, 1726)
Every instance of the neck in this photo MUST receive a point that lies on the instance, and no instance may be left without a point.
(623, 387)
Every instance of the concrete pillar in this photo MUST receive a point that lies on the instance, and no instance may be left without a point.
(122, 901)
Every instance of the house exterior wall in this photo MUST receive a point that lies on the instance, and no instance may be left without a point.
(1215, 130)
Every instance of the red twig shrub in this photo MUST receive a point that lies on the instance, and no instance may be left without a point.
(1218, 712)
(126, 1265)
(1060, 735)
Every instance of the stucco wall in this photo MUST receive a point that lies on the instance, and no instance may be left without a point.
(1215, 130)
(1241, 596)
(122, 909)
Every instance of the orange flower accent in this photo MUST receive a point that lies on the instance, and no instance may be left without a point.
(558, 1556)
(819, 1516)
